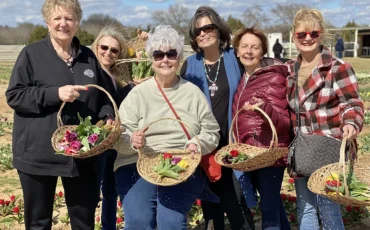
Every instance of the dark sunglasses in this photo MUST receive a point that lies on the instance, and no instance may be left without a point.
(313, 34)
(112, 49)
(158, 55)
(206, 29)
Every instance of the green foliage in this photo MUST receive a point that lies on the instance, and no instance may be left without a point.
(85, 38)
(5, 126)
(5, 72)
(38, 34)
(364, 144)
(234, 23)
(6, 157)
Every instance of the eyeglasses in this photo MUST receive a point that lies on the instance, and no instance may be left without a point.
(112, 49)
(158, 55)
(206, 29)
(313, 34)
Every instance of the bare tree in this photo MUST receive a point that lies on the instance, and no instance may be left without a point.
(177, 16)
(95, 22)
(285, 12)
(254, 16)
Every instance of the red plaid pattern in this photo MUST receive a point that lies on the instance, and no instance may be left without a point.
(329, 99)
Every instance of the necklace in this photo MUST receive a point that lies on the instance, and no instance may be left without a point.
(213, 88)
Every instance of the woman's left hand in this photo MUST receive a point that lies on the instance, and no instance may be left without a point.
(192, 148)
(349, 131)
(142, 34)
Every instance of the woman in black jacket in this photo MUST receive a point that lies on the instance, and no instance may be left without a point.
(46, 74)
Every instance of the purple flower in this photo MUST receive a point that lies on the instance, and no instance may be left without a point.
(93, 138)
(175, 160)
(70, 136)
(76, 145)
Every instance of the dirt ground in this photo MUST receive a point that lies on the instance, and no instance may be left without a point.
(14, 188)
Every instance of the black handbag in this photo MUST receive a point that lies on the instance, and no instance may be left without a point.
(309, 152)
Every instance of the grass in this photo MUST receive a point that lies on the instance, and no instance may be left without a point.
(5, 72)
(360, 65)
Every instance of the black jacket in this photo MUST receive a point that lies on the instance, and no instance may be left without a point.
(33, 94)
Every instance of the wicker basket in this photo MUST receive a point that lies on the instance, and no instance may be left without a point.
(102, 146)
(147, 160)
(260, 157)
(316, 182)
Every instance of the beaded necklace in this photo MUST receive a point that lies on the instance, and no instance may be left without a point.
(213, 88)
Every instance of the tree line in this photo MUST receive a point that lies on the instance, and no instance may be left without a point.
(277, 20)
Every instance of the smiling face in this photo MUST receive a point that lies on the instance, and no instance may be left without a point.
(166, 67)
(250, 52)
(62, 25)
(105, 56)
(308, 45)
(206, 40)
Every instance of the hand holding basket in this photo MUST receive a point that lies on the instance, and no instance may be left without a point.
(105, 144)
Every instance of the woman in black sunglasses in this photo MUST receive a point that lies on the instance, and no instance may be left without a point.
(329, 105)
(109, 46)
(215, 70)
(166, 95)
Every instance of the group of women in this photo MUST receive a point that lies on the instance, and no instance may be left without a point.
(214, 83)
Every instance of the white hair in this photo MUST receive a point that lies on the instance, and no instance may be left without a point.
(165, 36)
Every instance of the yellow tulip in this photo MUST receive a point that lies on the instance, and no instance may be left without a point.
(131, 52)
(333, 176)
(183, 164)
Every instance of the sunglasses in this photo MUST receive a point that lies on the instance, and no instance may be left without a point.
(206, 29)
(313, 34)
(158, 55)
(112, 49)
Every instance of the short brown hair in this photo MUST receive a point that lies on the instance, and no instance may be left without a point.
(72, 5)
(223, 29)
(256, 32)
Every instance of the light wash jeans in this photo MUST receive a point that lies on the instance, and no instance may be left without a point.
(309, 203)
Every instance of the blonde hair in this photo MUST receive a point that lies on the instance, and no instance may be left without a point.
(308, 18)
(72, 5)
(116, 33)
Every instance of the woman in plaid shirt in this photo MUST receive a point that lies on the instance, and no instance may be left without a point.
(330, 106)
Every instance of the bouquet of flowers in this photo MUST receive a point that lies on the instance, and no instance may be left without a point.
(356, 188)
(143, 68)
(233, 156)
(170, 166)
(83, 138)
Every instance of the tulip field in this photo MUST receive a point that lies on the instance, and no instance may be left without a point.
(11, 203)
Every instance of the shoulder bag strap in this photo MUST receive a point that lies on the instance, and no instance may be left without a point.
(173, 110)
(296, 69)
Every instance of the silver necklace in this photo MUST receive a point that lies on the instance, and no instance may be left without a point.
(212, 88)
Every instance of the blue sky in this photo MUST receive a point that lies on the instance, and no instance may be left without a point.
(139, 12)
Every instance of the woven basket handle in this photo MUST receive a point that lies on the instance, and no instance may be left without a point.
(274, 140)
(342, 163)
(117, 122)
(140, 150)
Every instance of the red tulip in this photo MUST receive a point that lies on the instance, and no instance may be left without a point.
(348, 208)
(2, 202)
(119, 220)
(119, 204)
(16, 209)
(97, 219)
(283, 197)
(198, 202)
(12, 197)
(234, 153)
(291, 181)
(60, 194)
(167, 155)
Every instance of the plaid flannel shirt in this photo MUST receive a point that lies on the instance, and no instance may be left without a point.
(329, 99)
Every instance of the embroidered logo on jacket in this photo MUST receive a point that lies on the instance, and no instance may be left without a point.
(89, 73)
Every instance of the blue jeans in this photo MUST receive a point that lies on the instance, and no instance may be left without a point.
(107, 181)
(307, 205)
(268, 182)
(339, 54)
(147, 206)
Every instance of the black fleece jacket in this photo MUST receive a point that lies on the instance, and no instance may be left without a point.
(33, 94)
